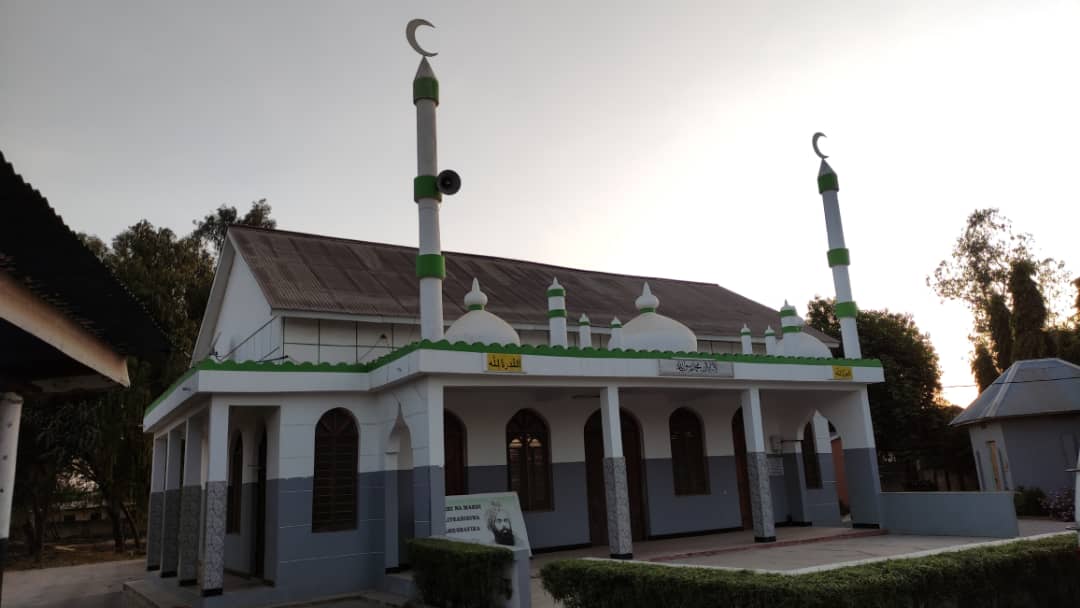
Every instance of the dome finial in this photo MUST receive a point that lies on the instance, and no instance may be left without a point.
(647, 302)
(476, 299)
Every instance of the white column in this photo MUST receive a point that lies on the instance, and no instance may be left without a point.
(170, 541)
(747, 343)
(556, 296)
(850, 414)
(191, 503)
(10, 416)
(217, 435)
(424, 415)
(770, 341)
(757, 466)
(617, 495)
(155, 525)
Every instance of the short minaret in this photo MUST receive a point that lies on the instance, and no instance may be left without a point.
(647, 302)
(615, 341)
(770, 341)
(747, 344)
(556, 296)
(430, 264)
(790, 323)
(839, 258)
(475, 299)
(584, 329)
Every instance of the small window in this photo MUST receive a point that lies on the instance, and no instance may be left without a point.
(236, 483)
(333, 501)
(811, 464)
(689, 469)
(528, 458)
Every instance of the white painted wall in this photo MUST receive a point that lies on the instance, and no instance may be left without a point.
(245, 330)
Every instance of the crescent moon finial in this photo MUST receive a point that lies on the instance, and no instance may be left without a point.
(817, 151)
(410, 35)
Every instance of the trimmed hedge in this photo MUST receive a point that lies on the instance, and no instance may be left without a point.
(452, 574)
(1043, 573)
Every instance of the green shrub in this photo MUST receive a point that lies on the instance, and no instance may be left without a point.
(451, 574)
(1043, 573)
(1029, 501)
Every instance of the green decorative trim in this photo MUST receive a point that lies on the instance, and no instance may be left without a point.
(476, 307)
(425, 186)
(647, 309)
(430, 265)
(827, 183)
(556, 313)
(477, 347)
(791, 329)
(770, 332)
(846, 309)
(788, 312)
(556, 292)
(425, 88)
(745, 332)
(839, 257)
(584, 323)
(616, 326)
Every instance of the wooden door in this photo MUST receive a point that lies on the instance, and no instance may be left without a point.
(594, 477)
(742, 475)
(454, 446)
(991, 447)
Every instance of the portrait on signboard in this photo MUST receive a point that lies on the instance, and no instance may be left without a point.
(492, 519)
(499, 524)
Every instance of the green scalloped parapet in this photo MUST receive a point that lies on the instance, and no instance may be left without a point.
(542, 350)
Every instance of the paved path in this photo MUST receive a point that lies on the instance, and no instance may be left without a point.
(89, 586)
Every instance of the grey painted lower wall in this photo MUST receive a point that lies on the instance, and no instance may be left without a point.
(794, 490)
(239, 545)
(154, 529)
(326, 563)
(864, 485)
(988, 514)
(170, 538)
(566, 524)
(1040, 449)
(190, 524)
(778, 492)
(823, 504)
(671, 514)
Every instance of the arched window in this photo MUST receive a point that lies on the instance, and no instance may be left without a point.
(688, 465)
(454, 446)
(236, 484)
(333, 501)
(811, 464)
(528, 460)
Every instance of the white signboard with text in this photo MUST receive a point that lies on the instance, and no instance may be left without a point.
(696, 367)
(489, 519)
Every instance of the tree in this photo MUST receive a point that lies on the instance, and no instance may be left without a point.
(212, 228)
(1029, 315)
(983, 367)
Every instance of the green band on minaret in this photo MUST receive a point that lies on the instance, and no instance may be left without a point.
(583, 323)
(791, 329)
(788, 312)
(556, 313)
(556, 292)
(476, 307)
(646, 309)
(430, 265)
(425, 186)
(425, 88)
(839, 257)
(745, 332)
(846, 310)
(828, 182)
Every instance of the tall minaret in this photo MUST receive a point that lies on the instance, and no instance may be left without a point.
(556, 296)
(839, 259)
(430, 264)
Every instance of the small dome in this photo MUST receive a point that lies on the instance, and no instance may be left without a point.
(795, 342)
(479, 325)
(653, 331)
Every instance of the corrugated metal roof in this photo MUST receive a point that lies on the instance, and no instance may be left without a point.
(306, 272)
(1028, 388)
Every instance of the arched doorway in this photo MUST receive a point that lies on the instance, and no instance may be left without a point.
(454, 446)
(594, 477)
(742, 474)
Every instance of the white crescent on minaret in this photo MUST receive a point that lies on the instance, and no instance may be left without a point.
(410, 33)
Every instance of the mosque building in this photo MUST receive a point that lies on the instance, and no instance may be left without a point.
(340, 390)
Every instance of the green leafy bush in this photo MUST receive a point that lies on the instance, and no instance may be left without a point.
(451, 574)
(1029, 501)
(1043, 573)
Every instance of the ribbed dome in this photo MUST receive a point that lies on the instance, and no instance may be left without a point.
(652, 331)
(479, 325)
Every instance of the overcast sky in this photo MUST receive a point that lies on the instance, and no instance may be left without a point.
(657, 138)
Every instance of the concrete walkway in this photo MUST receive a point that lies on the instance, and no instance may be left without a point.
(89, 586)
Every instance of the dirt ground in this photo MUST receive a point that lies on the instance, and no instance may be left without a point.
(71, 553)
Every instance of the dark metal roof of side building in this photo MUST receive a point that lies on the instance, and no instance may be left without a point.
(39, 251)
(312, 273)
(1032, 387)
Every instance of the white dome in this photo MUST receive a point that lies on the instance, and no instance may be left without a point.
(479, 325)
(802, 344)
(653, 331)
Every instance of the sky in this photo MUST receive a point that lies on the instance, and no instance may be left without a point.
(661, 139)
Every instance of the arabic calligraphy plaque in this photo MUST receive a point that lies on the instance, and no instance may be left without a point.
(698, 368)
